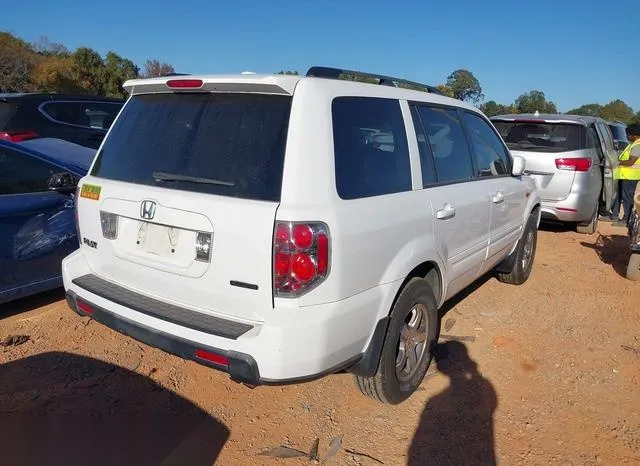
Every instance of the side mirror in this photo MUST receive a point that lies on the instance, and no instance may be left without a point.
(519, 165)
(63, 182)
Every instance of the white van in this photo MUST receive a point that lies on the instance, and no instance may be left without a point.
(282, 228)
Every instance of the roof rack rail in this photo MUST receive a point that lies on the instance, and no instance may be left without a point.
(336, 73)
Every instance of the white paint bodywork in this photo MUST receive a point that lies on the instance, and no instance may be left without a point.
(375, 242)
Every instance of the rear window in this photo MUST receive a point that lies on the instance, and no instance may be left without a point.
(542, 136)
(7, 111)
(224, 144)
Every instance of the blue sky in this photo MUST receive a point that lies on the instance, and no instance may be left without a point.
(575, 51)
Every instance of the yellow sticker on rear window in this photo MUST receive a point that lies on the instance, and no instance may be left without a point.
(90, 191)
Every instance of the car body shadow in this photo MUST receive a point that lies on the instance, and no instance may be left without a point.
(30, 303)
(65, 409)
(612, 250)
(456, 426)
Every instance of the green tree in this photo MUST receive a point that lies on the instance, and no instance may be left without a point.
(17, 62)
(617, 110)
(465, 86)
(90, 70)
(446, 90)
(492, 108)
(535, 101)
(154, 69)
(594, 110)
(116, 71)
(289, 73)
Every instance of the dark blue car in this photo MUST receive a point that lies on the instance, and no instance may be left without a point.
(38, 179)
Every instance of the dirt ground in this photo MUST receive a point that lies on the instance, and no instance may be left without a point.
(545, 373)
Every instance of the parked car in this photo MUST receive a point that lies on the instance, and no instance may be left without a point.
(80, 119)
(37, 213)
(619, 134)
(572, 158)
(297, 226)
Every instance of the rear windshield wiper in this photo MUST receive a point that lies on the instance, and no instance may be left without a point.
(161, 176)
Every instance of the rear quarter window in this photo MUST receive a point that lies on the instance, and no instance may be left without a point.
(225, 144)
(371, 152)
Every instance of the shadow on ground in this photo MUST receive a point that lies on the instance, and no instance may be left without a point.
(612, 250)
(456, 426)
(30, 303)
(64, 409)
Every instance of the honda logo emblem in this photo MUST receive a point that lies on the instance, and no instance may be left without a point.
(147, 210)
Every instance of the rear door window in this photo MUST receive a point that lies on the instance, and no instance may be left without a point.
(97, 115)
(448, 144)
(226, 144)
(370, 147)
(542, 136)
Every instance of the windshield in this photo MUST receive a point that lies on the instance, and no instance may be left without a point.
(225, 144)
(542, 136)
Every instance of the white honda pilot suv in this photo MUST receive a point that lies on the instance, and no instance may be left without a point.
(282, 228)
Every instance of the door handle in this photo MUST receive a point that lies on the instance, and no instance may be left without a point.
(448, 212)
(498, 198)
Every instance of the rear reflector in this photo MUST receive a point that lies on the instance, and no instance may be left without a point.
(566, 209)
(578, 164)
(17, 136)
(185, 83)
(84, 307)
(212, 357)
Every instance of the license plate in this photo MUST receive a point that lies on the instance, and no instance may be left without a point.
(158, 240)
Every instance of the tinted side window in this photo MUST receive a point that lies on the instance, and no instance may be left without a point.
(98, 115)
(426, 160)
(491, 155)
(20, 173)
(448, 143)
(370, 147)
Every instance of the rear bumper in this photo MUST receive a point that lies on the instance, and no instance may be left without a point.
(301, 344)
(577, 207)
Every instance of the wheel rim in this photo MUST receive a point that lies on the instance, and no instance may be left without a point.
(412, 344)
(527, 252)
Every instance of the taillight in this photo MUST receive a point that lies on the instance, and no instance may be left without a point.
(578, 164)
(109, 223)
(300, 257)
(17, 136)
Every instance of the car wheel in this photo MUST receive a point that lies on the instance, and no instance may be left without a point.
(633, 267)
(408, 345)
(524, 255)
(589, 227)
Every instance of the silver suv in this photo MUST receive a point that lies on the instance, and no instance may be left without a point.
(572, 159)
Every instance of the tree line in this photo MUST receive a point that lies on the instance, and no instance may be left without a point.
(47, 66)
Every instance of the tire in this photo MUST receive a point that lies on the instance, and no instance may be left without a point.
(522, 264)
(633, 267)
(589, 227)
(392, 385)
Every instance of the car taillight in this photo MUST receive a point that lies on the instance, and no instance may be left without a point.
(17, 136)
(109, 223)
(578, 164)
(300, 257)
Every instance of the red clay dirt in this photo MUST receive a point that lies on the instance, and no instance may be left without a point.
(545, 373)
